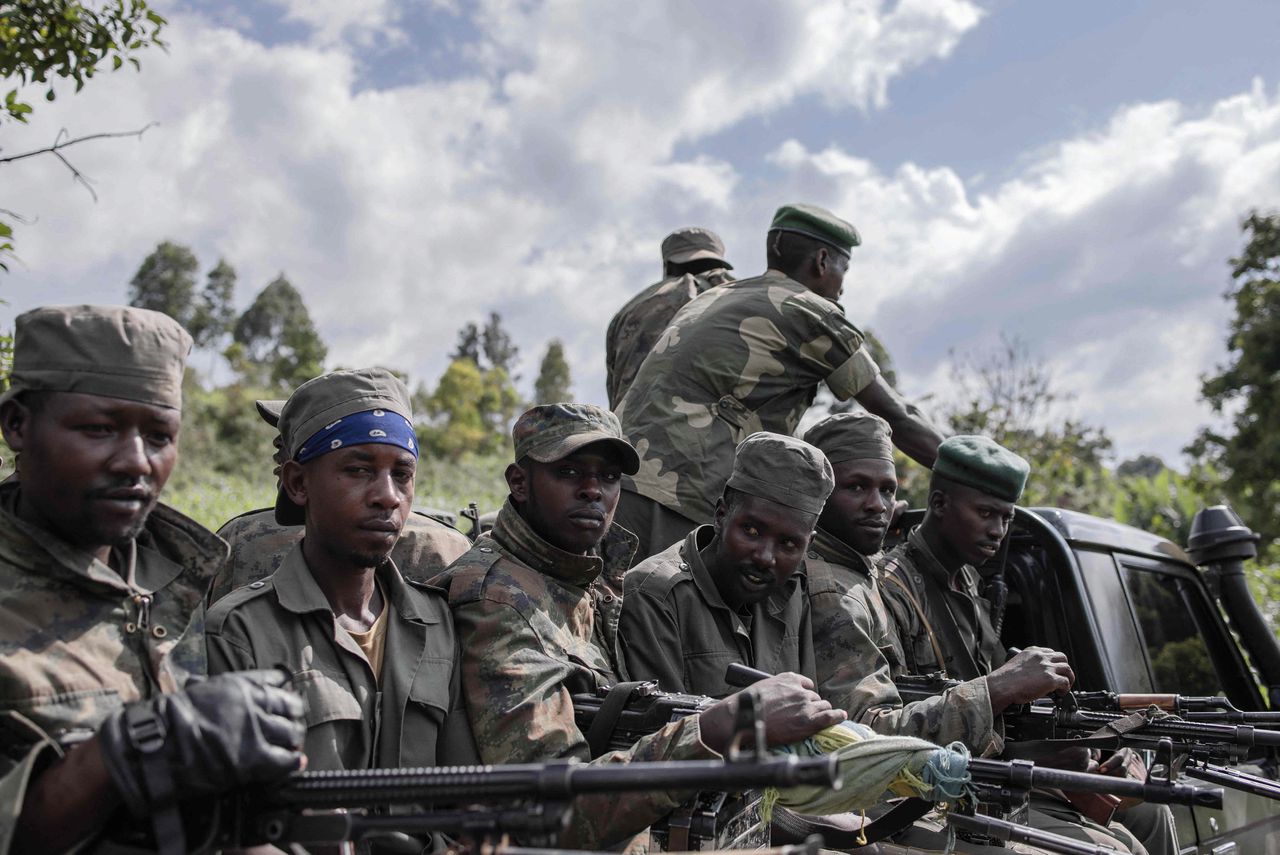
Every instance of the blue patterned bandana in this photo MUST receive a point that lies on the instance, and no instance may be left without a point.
(371, 426)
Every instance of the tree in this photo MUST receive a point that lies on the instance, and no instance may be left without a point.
(275, 342)
(1249, 384)
(553, 383)
(469, 411)
(1142, 466)
(166, 282)
(468, 345)
(499, 350)
(68, 39)
(215, 311)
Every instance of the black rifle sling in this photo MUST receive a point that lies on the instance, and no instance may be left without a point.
(606, 719)
(1107, 738)
(964, 665)
(797, 826)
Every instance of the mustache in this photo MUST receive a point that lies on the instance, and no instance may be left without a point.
(140, 488)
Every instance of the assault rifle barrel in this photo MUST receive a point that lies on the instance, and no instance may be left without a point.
(1003, 830)
(1025, 775)
(1235, 779)
(561, 780)
(1243, 735)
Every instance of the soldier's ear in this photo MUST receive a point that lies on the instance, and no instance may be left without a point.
(14, 419)
(517, 482)
(293, 478)
(937, 502)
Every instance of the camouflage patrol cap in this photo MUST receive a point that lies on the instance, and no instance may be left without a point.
(114, 351)
(982, 463)
(783, 469)
(270, 411)
(691, 244)
(852, 436)
(325, 399)
(817, 223)
(551, 432)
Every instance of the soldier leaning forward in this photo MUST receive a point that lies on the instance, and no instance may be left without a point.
(102, 603)
(537, 626)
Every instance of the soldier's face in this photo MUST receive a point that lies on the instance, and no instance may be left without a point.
(759, 545)
(859, 508)
(832, 267)
(356, 501)
(92, 466)
(570, 503)
(970, 522)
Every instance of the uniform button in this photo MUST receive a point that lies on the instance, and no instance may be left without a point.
(130, 627)
(608, 598)
(684, 566)
(159, 631)
(258, 584)
(485, 549)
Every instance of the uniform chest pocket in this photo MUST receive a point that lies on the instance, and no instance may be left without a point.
(327, 699)
(425, 715)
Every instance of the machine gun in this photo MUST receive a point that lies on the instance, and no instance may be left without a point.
(1205, 708)
(1048, 726)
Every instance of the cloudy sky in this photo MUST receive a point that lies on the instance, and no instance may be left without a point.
(1072, 174)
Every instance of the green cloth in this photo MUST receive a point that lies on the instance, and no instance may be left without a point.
(784, 470)
(551, 432)
(982, 463)
(852, 436)
(114, 351)
(817, 223)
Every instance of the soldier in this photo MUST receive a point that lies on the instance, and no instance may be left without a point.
(692, 262)
(102, 609)
(259, 542)
(730, 591)
(372, 652)
(942, 623)
(533, 634)
(747, 358)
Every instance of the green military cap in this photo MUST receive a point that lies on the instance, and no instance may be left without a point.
(270, 411)
(323, 401)
(114, 351)
(852, 436)
(817, 223)
(551, 432)
(783, 469)
(692, 244)
(982, 463)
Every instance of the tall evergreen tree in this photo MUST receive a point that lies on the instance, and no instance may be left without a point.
(276, 342)
(166, 282)
(499, 349)
(554, 382)
(215, 311)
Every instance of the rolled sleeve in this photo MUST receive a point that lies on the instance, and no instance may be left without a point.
(853, 375)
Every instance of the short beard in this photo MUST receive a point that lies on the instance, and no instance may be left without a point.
(367, 560)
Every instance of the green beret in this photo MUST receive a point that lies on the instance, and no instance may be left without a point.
(982, 463)
(112, 351)
(817, 223)
(852, 436)
(783, 469)
(551, 432)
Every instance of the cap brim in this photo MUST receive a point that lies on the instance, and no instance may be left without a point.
(696, 255)
(270, 411)
(287, 511)
(564, 447)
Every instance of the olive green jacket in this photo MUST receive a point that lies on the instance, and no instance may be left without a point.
(77, 641)
(854, 642)
(352, 721)
(678, 630)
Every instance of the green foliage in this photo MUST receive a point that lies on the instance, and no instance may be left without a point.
(275, 343)
(41, 39)
(469, 411)
(553, 383)
(499, 349)
(166, 282)
(1250, 382)
(881, 355)
(215, 311)
(6, 245)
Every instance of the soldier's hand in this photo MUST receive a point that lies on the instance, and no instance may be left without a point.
(1032, 674)
(218, 735)
(1124, 763)
(791, 709)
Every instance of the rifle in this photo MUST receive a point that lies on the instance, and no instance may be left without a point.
(1053, 724)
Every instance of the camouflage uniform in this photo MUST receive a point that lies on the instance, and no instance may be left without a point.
(677, 629)
(853, 640)
(259, 543)
(77, 640)
(638, 325)
(532, 635)
(740, 358)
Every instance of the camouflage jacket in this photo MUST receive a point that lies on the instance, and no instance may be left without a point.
(854, 642)
(354, 721)
(928, 607)
(638, 325)
(678, 630)
(741, 358)
(527, 620)
(77, 640)
(259, 543)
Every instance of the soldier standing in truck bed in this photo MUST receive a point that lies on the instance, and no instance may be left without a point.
(692, 262)
(748, 357)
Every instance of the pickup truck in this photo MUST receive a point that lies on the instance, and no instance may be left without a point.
(1136, 613)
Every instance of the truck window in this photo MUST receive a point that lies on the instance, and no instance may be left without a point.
(1176, 651)
(1115, 621)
